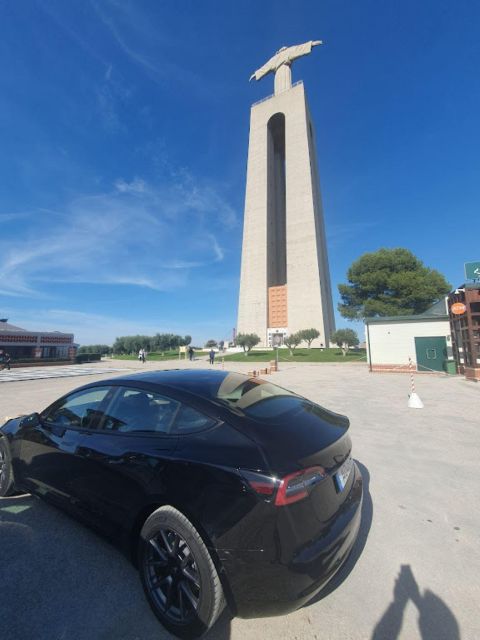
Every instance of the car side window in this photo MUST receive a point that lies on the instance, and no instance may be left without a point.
(189, 420)
(79, 410)
(139, 410)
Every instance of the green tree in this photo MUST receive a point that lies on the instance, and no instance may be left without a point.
(345, 338)
(390, 282)
(103, 349)
(247, 341)
(210, 344)
(309, 335)
(293, 340)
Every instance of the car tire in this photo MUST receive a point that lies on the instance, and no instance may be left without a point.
(7, 486)
(178, 574)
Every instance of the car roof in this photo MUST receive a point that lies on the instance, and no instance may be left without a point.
(202, 382)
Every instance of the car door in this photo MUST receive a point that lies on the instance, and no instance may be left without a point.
(49, 463)
(131, 446)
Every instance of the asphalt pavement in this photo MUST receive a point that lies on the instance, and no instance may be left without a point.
(413, 574)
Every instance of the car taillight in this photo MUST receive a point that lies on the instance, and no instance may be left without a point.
(262, 484)
(298, 485)
(292, 488)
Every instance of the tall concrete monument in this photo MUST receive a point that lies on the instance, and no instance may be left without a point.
(285, 281)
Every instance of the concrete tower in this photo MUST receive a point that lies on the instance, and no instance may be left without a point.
(285, 281)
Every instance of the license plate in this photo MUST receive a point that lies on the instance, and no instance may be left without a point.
(342, 475)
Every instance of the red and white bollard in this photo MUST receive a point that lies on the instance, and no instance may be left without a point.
(414, 401)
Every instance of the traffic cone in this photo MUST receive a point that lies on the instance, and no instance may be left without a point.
(414, 401)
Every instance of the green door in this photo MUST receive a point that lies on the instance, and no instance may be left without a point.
(431, 353)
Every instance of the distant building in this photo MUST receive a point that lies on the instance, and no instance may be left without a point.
(23, 344)
(425, 338)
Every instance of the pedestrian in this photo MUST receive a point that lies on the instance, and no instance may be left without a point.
(212, 356)
(141, 355)
(7, 361)
(190, 353)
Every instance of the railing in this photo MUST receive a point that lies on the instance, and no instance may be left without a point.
(277, 94)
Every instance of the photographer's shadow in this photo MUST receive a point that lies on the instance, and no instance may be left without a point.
(435, 621)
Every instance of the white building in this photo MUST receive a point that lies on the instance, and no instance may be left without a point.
(425, 338)
(22, 344)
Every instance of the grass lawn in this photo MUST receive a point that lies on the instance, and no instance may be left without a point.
(165, 355)
(300, 355)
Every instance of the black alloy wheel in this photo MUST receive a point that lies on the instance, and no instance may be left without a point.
(172, 576)
(178, 574)
(6, 475)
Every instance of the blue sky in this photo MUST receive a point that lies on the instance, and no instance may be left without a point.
(124, 134)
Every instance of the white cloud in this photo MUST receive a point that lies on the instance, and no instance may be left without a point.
(91, 328)
(138, 234)
(136, 186)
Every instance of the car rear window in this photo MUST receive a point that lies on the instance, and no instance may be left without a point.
(274, 407)
(256, 397)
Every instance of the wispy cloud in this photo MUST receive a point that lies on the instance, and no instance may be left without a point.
(340, 234)
(94, 328)
(9, 217)
(138, 234)
(148, 48)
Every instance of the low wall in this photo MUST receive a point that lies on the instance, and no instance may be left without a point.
(400, 368)
(39, 363)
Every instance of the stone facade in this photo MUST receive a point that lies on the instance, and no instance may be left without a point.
(284, 237)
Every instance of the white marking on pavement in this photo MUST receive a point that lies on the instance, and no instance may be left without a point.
(15, 375)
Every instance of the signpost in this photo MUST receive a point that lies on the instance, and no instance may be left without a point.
(458, 308)
(472, 270)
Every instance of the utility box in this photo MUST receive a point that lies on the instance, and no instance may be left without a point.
(450, 367)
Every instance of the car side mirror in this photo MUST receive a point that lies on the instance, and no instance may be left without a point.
(31, 420)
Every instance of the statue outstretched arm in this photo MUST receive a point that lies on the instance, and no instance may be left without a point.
(267, 68)
(285, 55)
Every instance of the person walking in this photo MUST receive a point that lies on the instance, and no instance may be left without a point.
(212, 356)
(141, 355)
(190, 353)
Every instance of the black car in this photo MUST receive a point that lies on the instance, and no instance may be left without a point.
(220, 487)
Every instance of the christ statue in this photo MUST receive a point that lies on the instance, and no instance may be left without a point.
(280, 64)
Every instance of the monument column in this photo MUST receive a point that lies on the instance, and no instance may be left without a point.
(285, 281)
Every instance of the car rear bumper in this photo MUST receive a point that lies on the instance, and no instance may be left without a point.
(263, 588)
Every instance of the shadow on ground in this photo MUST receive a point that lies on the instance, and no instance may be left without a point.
(435, 620)
(62, 581)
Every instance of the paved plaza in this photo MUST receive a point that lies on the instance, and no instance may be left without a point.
(67, 371)
(413, 574)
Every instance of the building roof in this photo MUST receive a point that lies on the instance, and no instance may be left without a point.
(437, 311)
(10, 328)
(421, 317)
